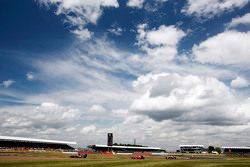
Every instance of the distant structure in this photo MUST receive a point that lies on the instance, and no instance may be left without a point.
(124, 148)
(127, 149)
(110, 139)
(8, 142)
(236, 150)
(191, 148)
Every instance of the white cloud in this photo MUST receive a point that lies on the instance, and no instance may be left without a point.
(83, 34)
(84, 12)
(8, 83)
(159, 44)
(154, 5)
(135, 3)
(97, 109)
(148, 5)
(190, 98)
(116, 31)
(240, 82)
(88, 130)
(229, 48)
(164, 35)
(82, 85)
(120, 113)
(85, 79)
(30, 76)
(144, 79)
(45, 116)
(209, 8)
(50, 113)
(86, 71)
(243, 20)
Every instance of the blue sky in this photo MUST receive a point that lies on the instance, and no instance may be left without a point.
(155, 70)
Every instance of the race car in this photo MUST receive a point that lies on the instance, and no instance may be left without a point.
(79, 156)
(138, 157)
(171, 157)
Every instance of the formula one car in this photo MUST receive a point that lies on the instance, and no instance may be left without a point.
(79, 156)
(138, 157)
(171, 157)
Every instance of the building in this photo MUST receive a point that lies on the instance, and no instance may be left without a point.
(124, 148)
(7, 142)
(127, 149)
(236, 150)
(192, 149)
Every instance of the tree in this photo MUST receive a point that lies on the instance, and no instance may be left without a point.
(210, 149)
(218, 149)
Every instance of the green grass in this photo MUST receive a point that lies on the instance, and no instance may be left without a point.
(62, 160)
(130, 163)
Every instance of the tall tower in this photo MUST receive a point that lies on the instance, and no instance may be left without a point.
(110, 139)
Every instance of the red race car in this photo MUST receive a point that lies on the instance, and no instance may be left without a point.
(138, 157)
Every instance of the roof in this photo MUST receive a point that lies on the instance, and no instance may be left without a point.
(9, 138)
(130, 147)
(244, 148)
(191, 145)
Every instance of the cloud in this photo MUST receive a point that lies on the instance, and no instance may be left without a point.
(87, 78)
(154, 133)
(47, 112)
(159, 44)
(154, 5)
(164, 35)
(97, 109)
(210, 8)
(151, 6)
(116, 31)
(227, 48)
(88, 129)
(30, 76)
(144, 79)
(87, 66)
(8, 83)
(240, 82)
(135, 3)
(79, 13)
(83, 34)
(243, 20)
(42, 117)
(120, 113)
(94, 80)
(189, 98)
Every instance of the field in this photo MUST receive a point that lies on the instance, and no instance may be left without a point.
(62, 160)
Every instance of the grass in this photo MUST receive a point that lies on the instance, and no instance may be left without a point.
(61, 160)
(124, 163)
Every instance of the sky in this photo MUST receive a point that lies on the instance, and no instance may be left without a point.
(165, 72)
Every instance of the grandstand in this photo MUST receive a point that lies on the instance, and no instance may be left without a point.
(126, 149)
(7, 142)
(232, 150)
